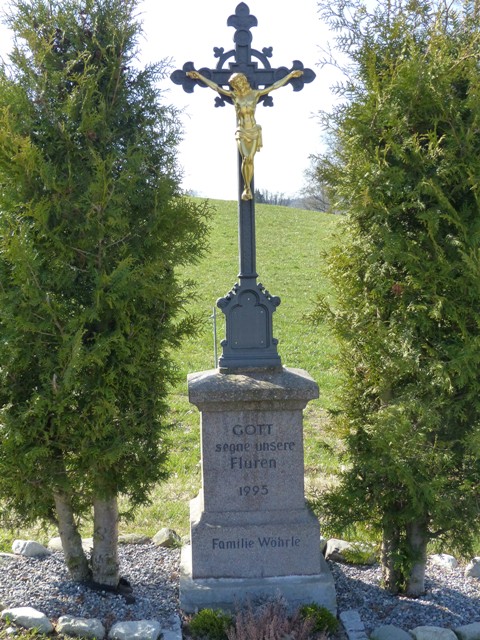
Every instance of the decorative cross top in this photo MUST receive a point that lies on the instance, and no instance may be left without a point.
(242, 55)
(248, 307)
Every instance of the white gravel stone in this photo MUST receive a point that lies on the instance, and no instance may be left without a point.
(133, 538)
(140, 630)
(337, 550)
(55, 544)
(432, 633)
(28, 618)
(472, 569)
(444, 560)
(81, 627)
(173, 631)
(353, 625)
(390, 632)
(87, 544)
(11, 631)
(29, 548)
(167, 538)
(469, 631)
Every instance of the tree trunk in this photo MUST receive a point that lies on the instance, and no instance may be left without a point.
(392, 577)
(105, 565)
(417, 539)
(75, 558)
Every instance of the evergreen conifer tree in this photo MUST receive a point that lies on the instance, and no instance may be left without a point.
(93, 227)
(404, 167)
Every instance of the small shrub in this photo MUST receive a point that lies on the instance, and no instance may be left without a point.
(210, 623)
(271, 622)
(320, 617)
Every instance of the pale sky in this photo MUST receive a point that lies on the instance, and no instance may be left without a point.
(187, 30)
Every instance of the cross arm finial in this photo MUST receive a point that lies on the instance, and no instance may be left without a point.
(254, 64)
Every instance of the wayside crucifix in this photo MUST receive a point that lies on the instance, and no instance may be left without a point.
(248, 307)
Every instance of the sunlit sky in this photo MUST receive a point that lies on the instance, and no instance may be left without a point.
(187, 30)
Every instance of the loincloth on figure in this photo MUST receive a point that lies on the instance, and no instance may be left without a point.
(252, 134)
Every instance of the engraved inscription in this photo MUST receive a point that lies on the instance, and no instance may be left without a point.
(252, 463)
(272, 542)
(252, 430)
(253, 490)
(242, 462)
(241, 448)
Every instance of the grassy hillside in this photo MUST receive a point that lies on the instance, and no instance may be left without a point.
(290, 244)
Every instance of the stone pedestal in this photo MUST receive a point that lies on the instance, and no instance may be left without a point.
(251, 531)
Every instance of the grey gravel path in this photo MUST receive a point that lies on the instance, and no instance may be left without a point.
(451, 600)
(43, 584)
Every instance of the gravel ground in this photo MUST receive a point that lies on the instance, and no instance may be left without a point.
(451, 600)
(43, 584)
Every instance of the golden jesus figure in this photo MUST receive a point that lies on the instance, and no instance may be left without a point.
(248, 134)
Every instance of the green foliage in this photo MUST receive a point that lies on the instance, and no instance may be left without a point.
(322, 618)
(359, 554)
(211, 624)
(93, 230)
(405, 168)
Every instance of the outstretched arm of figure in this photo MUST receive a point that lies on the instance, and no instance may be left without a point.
(280, 83)
(213, 85)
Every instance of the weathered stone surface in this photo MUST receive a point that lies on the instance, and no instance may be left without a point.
(167, 538)
(250, 528)
(337, 550)
(353, 625)
(133, 538)
(469, 631)
(28, 618)
(230, 593)
(29, 548)
(254, 543)
(141, 630)
(444, 560)
(252, 460)
(472, 570)
(334, 549)
(390, 632)
(432, 633)
(206, 389)
(81, 627)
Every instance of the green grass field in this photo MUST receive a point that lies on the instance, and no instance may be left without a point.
(290, 246)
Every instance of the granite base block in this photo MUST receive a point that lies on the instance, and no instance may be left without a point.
(230, 593)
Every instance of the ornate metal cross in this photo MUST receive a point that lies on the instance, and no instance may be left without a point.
(248, 307)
